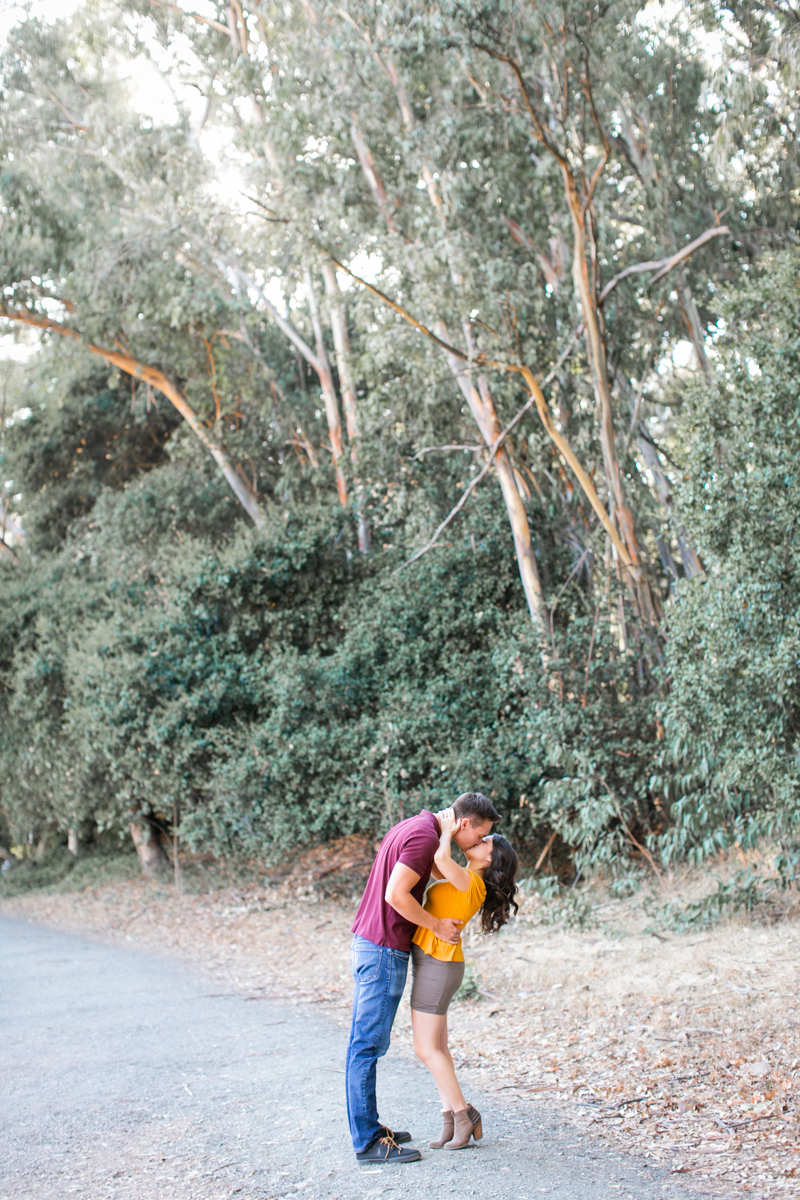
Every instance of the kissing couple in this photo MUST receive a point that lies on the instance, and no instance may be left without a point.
(392, 926)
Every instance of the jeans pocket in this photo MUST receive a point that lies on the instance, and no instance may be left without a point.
(366, 964)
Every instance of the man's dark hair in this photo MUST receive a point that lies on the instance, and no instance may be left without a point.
(476, 806)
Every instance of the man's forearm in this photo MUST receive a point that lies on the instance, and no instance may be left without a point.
(412, 910)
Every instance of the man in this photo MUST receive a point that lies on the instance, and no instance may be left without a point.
(389, 913)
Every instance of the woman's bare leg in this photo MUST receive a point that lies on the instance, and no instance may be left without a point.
(430, 1046)
(443, 1046)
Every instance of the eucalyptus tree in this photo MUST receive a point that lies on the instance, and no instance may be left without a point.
(93, 251)
(301, 92)
(254, 65)
(227, 66)
(523, 132)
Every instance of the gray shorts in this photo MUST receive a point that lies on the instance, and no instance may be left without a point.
(435, 982)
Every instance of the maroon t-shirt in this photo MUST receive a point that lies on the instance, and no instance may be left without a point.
(414, 843)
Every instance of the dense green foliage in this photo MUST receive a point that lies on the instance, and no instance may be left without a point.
(731, 762)
(265, 682)
(279, 686)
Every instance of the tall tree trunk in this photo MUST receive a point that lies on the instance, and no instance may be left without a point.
(237, 29)
(646, 601)
(147, 840)
(580, 204)
(328, 390)
(318, 361)
(485, 416)
(341, 342)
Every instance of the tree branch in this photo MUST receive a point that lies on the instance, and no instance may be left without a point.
(163, 384)
(371, 172)
(663, 265)
(541, 133)
(432, 449)
(195, 16)
(587, 88)
(495, 446)
(286, 327)
(406, 315)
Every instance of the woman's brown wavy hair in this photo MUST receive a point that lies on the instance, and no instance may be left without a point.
(501, 889)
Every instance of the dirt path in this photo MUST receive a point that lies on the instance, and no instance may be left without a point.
(681, 1050)
(124, 1078)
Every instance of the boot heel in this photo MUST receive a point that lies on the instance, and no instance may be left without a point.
(477, 1124)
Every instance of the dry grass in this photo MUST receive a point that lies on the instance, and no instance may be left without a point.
(682, 1047)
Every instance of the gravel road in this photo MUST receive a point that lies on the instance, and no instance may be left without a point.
(125, 1076)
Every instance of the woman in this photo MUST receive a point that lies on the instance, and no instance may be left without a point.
(485, 885)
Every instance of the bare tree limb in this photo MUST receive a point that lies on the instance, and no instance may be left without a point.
(406, 315)
(663, 265)
(163, 384)
(371, 172)
(286, 327)
(432, 449)
(328, 390)
(541, 132)
(642, 849)
(547, 846)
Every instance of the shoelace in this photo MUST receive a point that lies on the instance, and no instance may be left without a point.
(389, 1142)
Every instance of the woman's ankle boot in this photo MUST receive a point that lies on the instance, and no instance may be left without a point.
(448, 1128)
(464, 1129)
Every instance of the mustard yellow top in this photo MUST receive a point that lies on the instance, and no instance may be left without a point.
(445, 900)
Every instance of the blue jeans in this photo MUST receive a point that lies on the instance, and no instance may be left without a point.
(379, 975)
